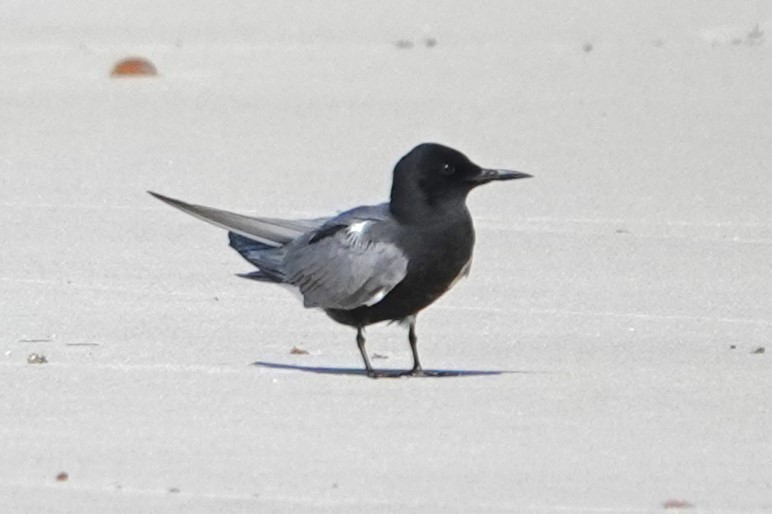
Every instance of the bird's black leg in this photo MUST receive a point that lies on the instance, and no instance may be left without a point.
(361, 345)
(413, 347)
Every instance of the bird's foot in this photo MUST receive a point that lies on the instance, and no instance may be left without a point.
(377, 373)
(384, 374)
(415, 372)
(418, 372)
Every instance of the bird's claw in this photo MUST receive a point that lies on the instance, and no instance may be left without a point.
(415, 372)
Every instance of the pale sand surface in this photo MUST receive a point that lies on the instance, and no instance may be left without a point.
(625, 287)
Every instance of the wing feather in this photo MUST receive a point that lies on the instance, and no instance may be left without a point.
(341, 271)
(336, 263)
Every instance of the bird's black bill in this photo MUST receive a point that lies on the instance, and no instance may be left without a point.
(489, 175)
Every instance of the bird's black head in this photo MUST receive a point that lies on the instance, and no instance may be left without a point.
(433, 178)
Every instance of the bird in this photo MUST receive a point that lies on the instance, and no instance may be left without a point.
(374, 263)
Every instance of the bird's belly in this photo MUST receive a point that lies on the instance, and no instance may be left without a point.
(423, 287)
(417, 291)
(435, 266)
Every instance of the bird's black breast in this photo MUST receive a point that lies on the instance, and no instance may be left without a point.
(437, 255)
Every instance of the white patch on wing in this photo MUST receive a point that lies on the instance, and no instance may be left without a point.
(377, 297)
(356, 230)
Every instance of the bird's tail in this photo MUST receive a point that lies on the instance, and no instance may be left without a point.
(268, 259)
(259, 240)
(269, 231)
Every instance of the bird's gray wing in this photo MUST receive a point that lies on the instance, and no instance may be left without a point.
(349, 262)
(271, 231)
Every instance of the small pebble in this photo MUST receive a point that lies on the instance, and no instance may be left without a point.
(36, 358)
(676, 504)
(298, 351)
(760, 349)
(62, 477)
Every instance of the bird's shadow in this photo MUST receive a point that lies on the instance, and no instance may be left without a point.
(383, 373)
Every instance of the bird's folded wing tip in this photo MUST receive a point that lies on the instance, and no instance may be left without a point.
(168, 200)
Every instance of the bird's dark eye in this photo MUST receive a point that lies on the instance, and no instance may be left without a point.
(447, 169)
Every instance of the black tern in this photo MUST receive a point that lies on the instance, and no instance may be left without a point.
(376, 263)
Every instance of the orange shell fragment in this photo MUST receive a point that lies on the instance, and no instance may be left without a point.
(134, 67)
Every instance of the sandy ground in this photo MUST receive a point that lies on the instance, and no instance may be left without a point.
(624, 293)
